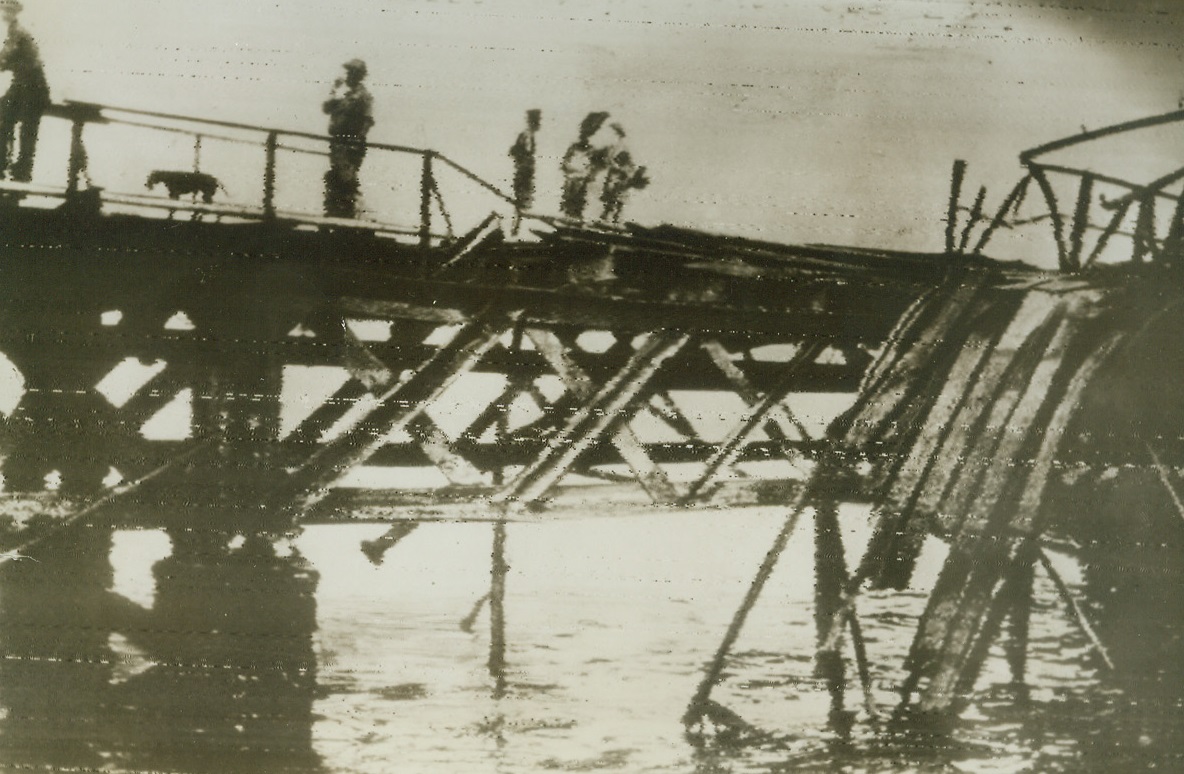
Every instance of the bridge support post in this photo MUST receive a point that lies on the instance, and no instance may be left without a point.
(426, 185)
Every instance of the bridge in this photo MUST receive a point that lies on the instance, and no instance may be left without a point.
(265, 367)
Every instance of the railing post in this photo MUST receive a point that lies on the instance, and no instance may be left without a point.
(1080, 221)
(1144, 246)
(956, 175)
(425, 201)
(77, 161)
(269, 175)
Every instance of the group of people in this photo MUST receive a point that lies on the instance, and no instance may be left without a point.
(350, 111)
(584, 165)
(350, 108)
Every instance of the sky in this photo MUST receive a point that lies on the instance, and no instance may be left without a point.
(789, 120)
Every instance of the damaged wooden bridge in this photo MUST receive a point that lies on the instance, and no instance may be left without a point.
(304, 368)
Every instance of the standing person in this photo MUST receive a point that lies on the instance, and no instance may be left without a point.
(619, 169)
(27, 96)
(622, 177)
(522, 152)
(350, 110)
(580, 166)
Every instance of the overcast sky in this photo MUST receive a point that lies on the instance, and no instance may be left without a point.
(796, 121)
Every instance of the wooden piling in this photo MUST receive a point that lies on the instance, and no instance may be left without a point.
(830, 577)
(497, 610)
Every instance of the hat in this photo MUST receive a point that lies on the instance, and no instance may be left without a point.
(353, 64)
(591, 123)
(11, 5)
(534, 113)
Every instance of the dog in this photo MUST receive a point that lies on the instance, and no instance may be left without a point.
(180, 184)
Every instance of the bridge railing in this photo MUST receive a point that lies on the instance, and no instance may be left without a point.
(410, 191)
(1100, 211)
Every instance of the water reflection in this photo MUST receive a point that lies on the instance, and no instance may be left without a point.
(217, 675)
(567, 645)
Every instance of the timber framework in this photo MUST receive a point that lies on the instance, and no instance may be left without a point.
(981, 388)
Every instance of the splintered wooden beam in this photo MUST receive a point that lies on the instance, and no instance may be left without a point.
(969, 585)
(830, 575)
(604, 411)
(756, 415)
(993, 548)
(1085, 193)
(395, 408)
(893, 393)
(1029, 348)
(897, 536)
(700, 704)
(933, 457)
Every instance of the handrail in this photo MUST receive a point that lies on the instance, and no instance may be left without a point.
(473, 177)
(1109, 179)
(1126, 126)
(82, 113)
(241, 126)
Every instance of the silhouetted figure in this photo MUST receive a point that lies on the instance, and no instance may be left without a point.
(580, 166)
(27, 96)
(621, 176)
(350, 111)
(522, 152)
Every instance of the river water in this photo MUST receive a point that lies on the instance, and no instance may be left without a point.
(144, 651)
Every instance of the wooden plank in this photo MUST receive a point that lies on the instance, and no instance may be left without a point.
(468, 244)
(700, 705)
(1000, 530)
(154, 395)
(1004, 449)
(602, 413)
(899, 388)
(899, 529)
(374, 374)
(982, 418)
(525, 443)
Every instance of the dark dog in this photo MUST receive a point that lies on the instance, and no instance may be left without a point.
(180, 184)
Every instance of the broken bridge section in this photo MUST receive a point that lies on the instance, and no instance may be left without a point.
(327, 375)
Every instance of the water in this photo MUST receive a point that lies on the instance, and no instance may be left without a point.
(215, 657)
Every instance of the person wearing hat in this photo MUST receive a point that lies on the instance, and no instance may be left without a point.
(522, 152)
(350, 111)
(27, 96)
